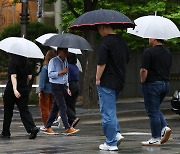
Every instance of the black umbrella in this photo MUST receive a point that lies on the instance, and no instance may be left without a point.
(68, 40)
(90, 20)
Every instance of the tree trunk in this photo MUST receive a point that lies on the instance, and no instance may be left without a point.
(89, 86)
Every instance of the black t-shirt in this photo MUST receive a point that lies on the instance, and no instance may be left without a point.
(157, 60)
(22, 72)
(113, 52)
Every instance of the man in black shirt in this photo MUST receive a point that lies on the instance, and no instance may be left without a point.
(154, 74)
(113, 55)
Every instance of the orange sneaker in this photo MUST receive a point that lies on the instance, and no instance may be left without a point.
(49, 131)
(71, 130)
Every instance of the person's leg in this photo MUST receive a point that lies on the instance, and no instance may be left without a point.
(44, 103)
(9, 101)
(118, 126)
(51, 100)
(58, 92)
(165, 89)
(151, 94)
(71, 100)
(71, 104)
(53, 114)
(107, 98)
(25, 115)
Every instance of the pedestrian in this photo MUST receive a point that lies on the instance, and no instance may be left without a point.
(58, 77)
(45, 95)
(154, 74)
(73, 79)
(16, 92)
(113, 56)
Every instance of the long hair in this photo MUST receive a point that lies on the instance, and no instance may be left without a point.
(49, 55)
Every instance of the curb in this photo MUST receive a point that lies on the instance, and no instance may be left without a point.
(97, 116)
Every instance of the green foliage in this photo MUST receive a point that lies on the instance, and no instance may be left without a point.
(133, 9)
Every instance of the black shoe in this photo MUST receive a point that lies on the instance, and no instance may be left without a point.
(33, 133)
(75, 122)
(4, 136)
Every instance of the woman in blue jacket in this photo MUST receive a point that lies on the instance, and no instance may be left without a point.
(45, 96)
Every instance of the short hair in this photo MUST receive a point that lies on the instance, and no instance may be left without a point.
(107, 26)
(72, 58)
(160, 40)
(62, 49)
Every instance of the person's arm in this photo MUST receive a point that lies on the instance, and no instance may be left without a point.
(52, 73)
(99, 72)
(29, 77)
(14, 84)
(143, 74)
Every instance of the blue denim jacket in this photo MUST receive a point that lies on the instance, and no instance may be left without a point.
(44, 84)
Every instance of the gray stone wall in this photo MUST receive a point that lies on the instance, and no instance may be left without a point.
(133, 87)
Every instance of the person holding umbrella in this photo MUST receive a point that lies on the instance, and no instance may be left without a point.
(154, 74)
(155, 71)
(58, 77)
(113, 56)
(16, 92)
(73, 79)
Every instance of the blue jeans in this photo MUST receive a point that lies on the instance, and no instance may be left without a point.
(107, 99)
(154, 94)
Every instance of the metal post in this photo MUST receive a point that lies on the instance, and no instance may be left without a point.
(24, 18)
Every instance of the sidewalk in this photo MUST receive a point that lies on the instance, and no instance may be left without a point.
(125, 108)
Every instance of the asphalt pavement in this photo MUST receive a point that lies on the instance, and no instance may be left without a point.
(134, 127)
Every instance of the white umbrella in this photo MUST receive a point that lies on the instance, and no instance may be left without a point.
(21, 46)
(154, 27)
(42, 39)
(79, 65)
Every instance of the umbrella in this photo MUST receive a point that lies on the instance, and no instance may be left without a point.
(90, 20)
(21, 46)
(42, 39)
(154, 27)
(68, 40)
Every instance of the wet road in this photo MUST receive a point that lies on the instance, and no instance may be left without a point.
(134, 129)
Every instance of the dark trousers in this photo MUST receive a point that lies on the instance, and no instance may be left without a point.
(60, 92)
(71, 100)
(22, 103)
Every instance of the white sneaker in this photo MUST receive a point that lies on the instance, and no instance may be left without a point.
(42, 128)
(152, 142)
(165, 134)
(107, 147)
(57, 123)
(119, 138)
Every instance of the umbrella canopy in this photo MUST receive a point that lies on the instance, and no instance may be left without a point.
(21, 46)
(42, 39)
(90, 20)
(154, 27)
(68, 40)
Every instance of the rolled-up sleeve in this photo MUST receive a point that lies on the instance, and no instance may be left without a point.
(52, 73)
